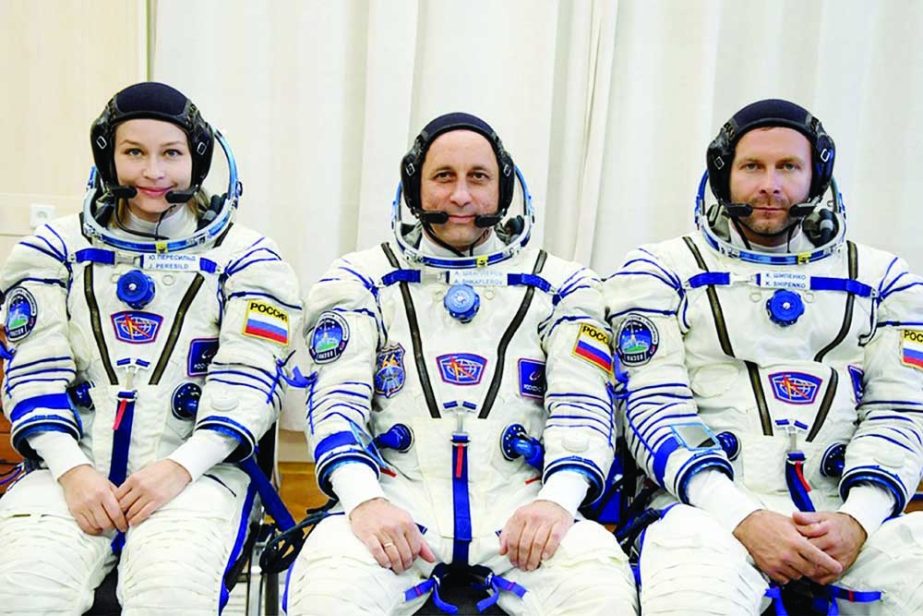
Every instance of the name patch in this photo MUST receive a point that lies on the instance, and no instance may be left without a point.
(637, 340)
(389, 371)
(136, 327)
(266, 321)
(477, 278)
(171, 262)
(201, 352)
(532, 379)
(461, 368)
(784, 280)
(21, 313)
(330, 337)
(795, 387)
(912, 348)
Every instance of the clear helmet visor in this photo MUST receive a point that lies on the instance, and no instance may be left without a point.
(222, 188)
(514, 230)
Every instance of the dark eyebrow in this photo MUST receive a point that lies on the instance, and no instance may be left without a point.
(163, 145)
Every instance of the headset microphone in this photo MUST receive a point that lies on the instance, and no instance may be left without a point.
(434, 218)
(738, 210)
(181, 196)
(485, 222)
(123, 192)
(800, 210)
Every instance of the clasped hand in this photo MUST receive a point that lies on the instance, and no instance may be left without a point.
(818, 546)
(99, 506)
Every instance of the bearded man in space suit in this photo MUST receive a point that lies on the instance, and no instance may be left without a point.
(441, 360)
(148, 337)
(775, 389)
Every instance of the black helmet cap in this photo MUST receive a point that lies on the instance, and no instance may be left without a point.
(766, 113)
(156, 101)
(412, 163)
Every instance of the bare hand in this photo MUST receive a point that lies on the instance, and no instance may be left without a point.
(91, 499)
(780, 551)
(390, 534)
(837, 534)
(149, 489)
(533, 533)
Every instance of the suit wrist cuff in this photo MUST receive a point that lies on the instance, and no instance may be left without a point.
(715, 493)
(868, 505)
(566, 488)
(60, 451)
(355, 483)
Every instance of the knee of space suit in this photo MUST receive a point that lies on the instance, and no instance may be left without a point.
(691, 565)
(336, 574)
(49, 566)
(174, 566)
(172, 570)
(175, 561)
(890, 562)
(588, 574)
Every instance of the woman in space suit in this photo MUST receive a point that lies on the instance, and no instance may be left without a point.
(148, 338)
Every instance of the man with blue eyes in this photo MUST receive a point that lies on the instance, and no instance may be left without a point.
(774, 389)
(441, 363)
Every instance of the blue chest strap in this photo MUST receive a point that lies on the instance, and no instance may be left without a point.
(172, 262)
(511, 279)
(807, 283)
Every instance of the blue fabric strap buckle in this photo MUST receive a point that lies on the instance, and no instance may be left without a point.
(709, 279)
(775, 596)
(432, 584)
(95, 255)
(496, 584)
(825, 598)
(528, 280)
(400, 275)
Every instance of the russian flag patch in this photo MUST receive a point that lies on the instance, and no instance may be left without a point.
(912, 348)
(265, 321)
(592, 345)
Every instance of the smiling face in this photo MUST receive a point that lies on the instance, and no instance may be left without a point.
(771, 172)
(460, 177)
(153, 157)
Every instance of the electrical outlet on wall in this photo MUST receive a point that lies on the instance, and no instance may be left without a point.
(39, 214)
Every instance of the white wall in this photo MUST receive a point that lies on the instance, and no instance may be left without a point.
(60, 62)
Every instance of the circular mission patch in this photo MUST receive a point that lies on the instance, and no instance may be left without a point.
(637, 340)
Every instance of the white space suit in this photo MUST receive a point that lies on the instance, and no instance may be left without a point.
(783, 362)
(215, 331)
(385, 352)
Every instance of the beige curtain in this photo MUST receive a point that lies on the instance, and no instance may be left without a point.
(607, 106)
